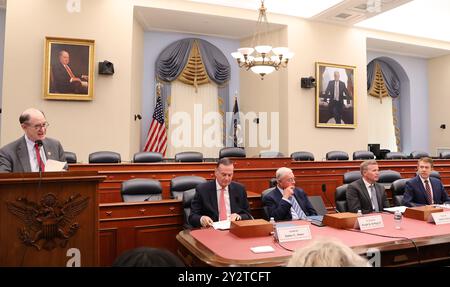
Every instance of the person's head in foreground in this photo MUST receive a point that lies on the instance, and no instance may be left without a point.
(326, 253)
(147, 257)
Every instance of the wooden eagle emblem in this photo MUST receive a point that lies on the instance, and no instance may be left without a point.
(49, 222)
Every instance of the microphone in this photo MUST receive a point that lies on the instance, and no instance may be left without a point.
(324, 190)
(238, 201)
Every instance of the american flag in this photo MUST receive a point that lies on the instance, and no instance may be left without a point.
(157, 137)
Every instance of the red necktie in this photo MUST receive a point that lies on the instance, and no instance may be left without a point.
(222, 206)
(429, 193)
(39, 159)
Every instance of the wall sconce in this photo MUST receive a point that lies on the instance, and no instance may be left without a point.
(443, 126)
(137, 117)
(308, 83)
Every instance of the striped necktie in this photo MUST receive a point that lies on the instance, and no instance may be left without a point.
(429, 192)
(297, 209)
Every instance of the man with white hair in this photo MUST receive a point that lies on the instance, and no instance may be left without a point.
(285, 201)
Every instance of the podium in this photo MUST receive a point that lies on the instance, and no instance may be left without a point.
(49, 219)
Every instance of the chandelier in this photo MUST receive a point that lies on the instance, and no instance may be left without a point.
(261, 58)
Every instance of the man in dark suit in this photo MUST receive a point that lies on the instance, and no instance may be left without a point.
(366, 194)
(423, 189)
(219, 199)
(63, 79)
(336, 92)
(30, 152)
(285, 201)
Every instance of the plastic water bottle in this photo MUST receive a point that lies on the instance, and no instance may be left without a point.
(274, 230)
(359, 213)
(398, 219)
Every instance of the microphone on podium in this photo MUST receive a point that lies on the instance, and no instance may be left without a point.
(324, 190)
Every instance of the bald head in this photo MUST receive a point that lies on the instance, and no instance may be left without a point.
(34, 124)
(30, 113)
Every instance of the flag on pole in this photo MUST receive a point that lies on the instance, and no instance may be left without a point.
(157, 136)
(237, 130)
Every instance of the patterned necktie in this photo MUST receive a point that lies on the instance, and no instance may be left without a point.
(222, 206)
(373, 194)
(429, 193)
(298, 210)
(38, 157)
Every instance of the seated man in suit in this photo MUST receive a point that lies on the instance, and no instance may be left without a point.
(219, 199)
(418, 190)
(366, 194)
(285, 201)
(30, 152)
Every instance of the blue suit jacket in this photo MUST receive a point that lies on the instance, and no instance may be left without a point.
(280, 209)
(415, 193)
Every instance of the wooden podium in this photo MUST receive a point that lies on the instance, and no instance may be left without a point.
(50, 220)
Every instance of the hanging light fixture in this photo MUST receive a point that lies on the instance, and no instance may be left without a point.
(261, 58)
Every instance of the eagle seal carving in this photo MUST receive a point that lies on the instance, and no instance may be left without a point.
(50, 222)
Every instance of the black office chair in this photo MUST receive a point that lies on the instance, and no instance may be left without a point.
(189, 156)
(383, 153)
(104, 157)
(351, 176)
(71, 157)
(387, 177)
(419, 154)
(271, 154)
(317, 203)
(396, 155)
(340, 198)
(363, 155)
(265, 209)
(232, 152)
(188, 195)
(398, 189)
(141, 189)
(180, 184)
(435, 174)
(444, 154)
(144, 157)
(302, 156)
(337, 155)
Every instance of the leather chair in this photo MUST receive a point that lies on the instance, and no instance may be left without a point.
(266, 210)
(188, 195)
(396, 155)
(419, 154)
(444, 154)
(337, 155)
(272, 182)
(104, 157)
(351, 176)
(317, 203)
(232, 152)
(71, 157)
(340, 198)
(141, 189)
(398, 189)
(363, 155)
(271, 154)
(387, 177)
(302, 156)
(180, 184)
(435, 174)
(189, 156)
(143, 157)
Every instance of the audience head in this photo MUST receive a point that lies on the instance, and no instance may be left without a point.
(326, 253)
(64, 57)
(34, 124)
(147, 257)
(424, 167)
(369, 170)
(285, 177)
(224, 172)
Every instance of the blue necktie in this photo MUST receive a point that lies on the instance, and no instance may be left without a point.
(298, 210)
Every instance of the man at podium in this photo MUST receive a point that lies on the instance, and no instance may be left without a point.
(30, 152)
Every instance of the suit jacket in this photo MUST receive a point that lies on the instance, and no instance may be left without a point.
(205, 202)
(329, 92)
(14, 156)
(415, 193)
(280, 209)
(358, 197)
(60, 81)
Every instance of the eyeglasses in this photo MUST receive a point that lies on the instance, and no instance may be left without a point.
(292, 179)
(42, 126)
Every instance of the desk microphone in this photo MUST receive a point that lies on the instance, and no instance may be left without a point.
(324, 190)
(238, 201)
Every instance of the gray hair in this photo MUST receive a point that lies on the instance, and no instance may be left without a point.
(282, 171)
(365, 165)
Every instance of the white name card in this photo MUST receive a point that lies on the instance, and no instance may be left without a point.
(292, 232)
(441, 217)
(369, 222)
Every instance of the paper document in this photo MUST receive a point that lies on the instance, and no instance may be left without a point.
(54, 165)
(395, 208)
(222, 225)
(262, 249)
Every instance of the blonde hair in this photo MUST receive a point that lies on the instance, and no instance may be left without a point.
(326, 253)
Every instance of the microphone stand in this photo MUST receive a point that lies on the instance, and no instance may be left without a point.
(324, 190)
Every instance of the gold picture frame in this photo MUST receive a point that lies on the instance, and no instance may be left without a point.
(335, 111)
(68, 69)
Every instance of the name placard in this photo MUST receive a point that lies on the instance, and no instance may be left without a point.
(441, 217)
(292, 232)
(369, 222)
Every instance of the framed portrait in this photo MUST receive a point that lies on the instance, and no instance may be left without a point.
(335, 96)
(68, 69)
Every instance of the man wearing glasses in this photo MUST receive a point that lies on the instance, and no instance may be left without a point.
(30, 152)
(285, 201)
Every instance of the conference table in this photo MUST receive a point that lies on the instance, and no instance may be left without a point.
(417, 242)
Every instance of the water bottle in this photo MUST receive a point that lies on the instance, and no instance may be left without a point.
(398, 219)
(274, 230)
(359, 213)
